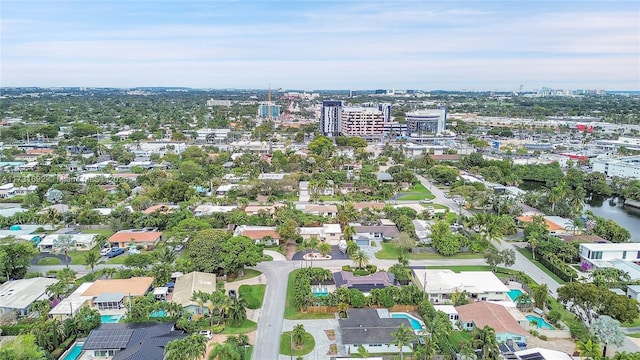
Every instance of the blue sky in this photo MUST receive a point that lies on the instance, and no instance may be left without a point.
(309, 45)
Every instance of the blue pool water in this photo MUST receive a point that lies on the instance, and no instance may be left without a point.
(513, 293)
(108, 319)
(415, 323)
(320, 291)
(542, 323)
(157, 314)
(74, 353)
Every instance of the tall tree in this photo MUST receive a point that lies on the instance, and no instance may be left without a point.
(402, 337)
(608, 331)
(91, 259)
(64, 243)
(360, 258)
(485, 340)
(588, 349)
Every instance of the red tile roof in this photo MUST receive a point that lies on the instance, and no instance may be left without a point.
(135, 236)
(260, 234)
(484, 313)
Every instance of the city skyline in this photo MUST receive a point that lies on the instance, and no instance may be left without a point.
(322, 44)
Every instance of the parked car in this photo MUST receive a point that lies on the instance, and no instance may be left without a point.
(426, 201)
(232, 294)
(133, 250)
(206, 333)
(115, 252)
(105, 251)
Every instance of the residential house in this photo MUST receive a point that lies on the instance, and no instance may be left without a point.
(450, 310)
(306, 190)
(70, 305)
(272, 176)
(360, 206)
(329, 210)
(379, 280)
(442, 284)
(446, 157)
(267, 235)
(161, 208)
(189, 284)
(7, 190)
(384, 177)
(255, 209)
(25, 190)
(599, 255)
(633, 292)
(367, 233)
(208, 209)
(114, 294)
(481, 314)
(224, 189)
(330, 233)
(146, 238)
(100, 165)
(18, 295)
(82, 241)
(367, 328)
(555, 224)
(538, 353)
(129, 341)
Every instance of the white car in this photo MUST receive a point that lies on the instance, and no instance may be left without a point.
(206, 333)
(105, 251)
(426, 201)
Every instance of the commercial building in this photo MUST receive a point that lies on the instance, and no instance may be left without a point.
(330, 117)
(621, 167)
(269, 110)
(426, 121)
(362, 121)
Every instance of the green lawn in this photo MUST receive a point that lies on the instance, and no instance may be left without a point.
(635, 323)
(267, 258)
(49, 261)
(77, 257)
(308, 343)
(391, 251)
(634, 335)
(105, 232)
(254, 294)
(290, 312)
(578, 329)
(526, 253)
(456, 337)
(248, 274)
(416, 192)
(118, 259)
(243, 327)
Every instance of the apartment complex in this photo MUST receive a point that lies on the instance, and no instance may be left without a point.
(330, 118)
(361, 121)
(622, 167)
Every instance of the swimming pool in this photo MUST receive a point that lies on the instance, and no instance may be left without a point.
(320, 291)
(513, 293)
(542, 323)
(415, 323)
(73, 353)
(158, 314)
(108, 319)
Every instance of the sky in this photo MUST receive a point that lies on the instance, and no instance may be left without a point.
(307, 45)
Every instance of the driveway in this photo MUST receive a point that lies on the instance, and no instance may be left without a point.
(64, 260)
(335, 253)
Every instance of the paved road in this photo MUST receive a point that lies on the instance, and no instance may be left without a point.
(267, 342)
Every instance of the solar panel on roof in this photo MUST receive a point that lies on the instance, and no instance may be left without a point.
(534, 356)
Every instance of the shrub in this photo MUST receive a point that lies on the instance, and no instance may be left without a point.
(346, 268)
(217, 329)
(553, 316)
(361, 272)
(543, 337)
(372, 268)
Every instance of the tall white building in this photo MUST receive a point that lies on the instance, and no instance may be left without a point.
(330, 118)
(215, 102)
(426, 121)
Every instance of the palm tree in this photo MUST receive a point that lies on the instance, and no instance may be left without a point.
(165, 255)
(348, 232)
(109, 272)
(401, 337)
(91, 259)
(298, 335)
(485, 340)
(237, 310)
(64, 243)
(404, 242)
(588, 349)
(200, 298)
(360, 258)
(324, 249)
(532, 239)
(554, 196)
(192, 347)
(608, 331)
(225, 351)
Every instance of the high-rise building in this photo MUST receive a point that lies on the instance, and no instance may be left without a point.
(269, 111)
(330, 118)
(386, 111)
(365, 122)
(426, 121)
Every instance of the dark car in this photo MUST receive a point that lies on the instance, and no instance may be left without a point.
(232, 294)
(115, 252)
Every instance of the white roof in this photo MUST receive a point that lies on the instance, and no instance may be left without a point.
(226, 187)
(447, 281)
(546, 353)
(79, 238)
(73, 302)
(332, 228)
(447, 309)
(271, 176)
(19, 294)
(310, 231)
(631, 246)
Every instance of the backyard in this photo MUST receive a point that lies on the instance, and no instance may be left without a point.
(416, 192)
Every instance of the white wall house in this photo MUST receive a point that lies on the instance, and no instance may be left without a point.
(442, 284)
(599, 255)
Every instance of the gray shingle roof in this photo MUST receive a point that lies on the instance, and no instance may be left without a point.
(364, 326)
